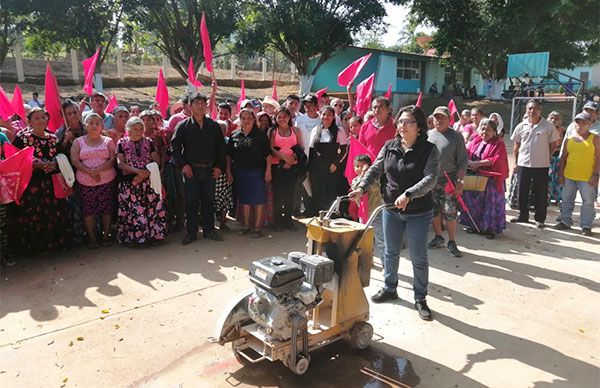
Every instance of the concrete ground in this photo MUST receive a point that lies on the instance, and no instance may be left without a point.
(518, 311)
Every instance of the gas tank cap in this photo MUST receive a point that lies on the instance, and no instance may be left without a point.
(277, 261)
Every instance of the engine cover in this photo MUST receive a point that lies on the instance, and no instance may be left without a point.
(273, 313)
(277, 275)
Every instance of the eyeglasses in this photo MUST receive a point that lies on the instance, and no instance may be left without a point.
(338, 105)
(406, 122)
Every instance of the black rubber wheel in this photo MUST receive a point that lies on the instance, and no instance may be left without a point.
(361, 335)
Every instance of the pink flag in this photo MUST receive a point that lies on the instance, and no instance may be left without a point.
(357, 148)
(53, 102)
(17, 103)
(6, 108)
(89, 67)
(388, 94)
(112, 103)
(192, 74)
(453, 110)
(214, 112)
(364, 93)
(10, 150)
(320, 93)
(274, 94)
(242, 96)
(419, 99)
(206, 48)
(346, 76)
(15, 174)
(162, 94)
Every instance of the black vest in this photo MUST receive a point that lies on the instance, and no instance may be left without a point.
(402, 170)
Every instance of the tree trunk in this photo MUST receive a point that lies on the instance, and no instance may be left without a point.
(306, 82)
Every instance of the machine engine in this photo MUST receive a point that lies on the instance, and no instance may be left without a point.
(286, 288)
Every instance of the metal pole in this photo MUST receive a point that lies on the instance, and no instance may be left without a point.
(512, 115)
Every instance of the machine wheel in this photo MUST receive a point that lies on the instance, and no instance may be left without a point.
(241, 359)
(301, 365)
(361, 335)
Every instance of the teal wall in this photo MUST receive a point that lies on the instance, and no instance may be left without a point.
(383, 64)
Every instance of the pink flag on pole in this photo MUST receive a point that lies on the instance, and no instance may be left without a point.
(320, 93)
(10, 150)
(162, 94)
(274, 94)
(89, 67)
(206, 48)
(388, 94)
(453, 110)
(192, 74)
(53, 102)
(6, 108)
(349, 74)
(17, 103)
(112, 103)
(242, 95)
(364, 93)
(15, 173)
(418, 103)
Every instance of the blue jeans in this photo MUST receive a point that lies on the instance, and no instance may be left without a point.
(588, 196)
(416, 227)
(200, 188)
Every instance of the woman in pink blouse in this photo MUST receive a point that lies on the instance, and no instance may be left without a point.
(93, 155)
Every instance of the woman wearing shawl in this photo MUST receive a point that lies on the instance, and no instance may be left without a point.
(555, 188)
(487, 157)
(325, 159)
(41, 218)
(142, 214)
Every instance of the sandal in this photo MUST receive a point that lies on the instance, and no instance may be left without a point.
(256, 234)
(245, 230)
(92, 245)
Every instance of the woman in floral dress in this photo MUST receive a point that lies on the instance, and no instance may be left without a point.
(41, 219)
(142, 213)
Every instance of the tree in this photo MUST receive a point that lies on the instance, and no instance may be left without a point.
(176, 24)
(11, 24)
(481, 33)
(303, 29)
(371, 39)
(81, 24)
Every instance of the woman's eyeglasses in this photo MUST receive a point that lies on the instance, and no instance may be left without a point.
(406, 122)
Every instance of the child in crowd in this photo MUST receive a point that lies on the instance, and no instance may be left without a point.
(362, 163)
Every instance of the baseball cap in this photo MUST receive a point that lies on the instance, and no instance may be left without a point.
(310, 98)
(593, 105)
(442, 110)
(583, 116)
(118, 109)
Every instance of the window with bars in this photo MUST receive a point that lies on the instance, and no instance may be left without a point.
(408, 69)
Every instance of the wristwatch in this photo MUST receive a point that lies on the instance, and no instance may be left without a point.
(407, 194)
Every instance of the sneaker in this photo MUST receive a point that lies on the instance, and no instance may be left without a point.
(540, 225)
(561, 226)
(453, 249)
(384, 295)
(212, 235)
(423, 309)
(436, 242)
(586, 231)
(519, 220)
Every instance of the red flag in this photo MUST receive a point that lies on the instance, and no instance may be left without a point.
(388, 94)
(15, 173)
(419, 99)
(206, 48)
(17, 103)
(6, 108)
(346, 76)
(320, 93)
(274, 94)
(364, 93)
(53, 102)
(9, 150)
(242, 95)
(162, 94)
(453, 110)
(89, 68)
(449, 189)
(192, 74)
(112, 103)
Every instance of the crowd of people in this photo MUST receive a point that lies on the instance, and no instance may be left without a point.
(139, 176)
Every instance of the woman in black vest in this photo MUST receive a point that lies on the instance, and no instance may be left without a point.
(410, 166)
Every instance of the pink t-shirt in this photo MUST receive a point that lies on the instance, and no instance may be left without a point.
(285, 144)
(93, 157)
(373, 137)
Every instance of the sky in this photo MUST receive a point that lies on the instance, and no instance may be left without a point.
(396, 16)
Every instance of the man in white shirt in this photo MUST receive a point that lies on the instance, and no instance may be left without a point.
(307, 121)
(35, 102)
(535, 140)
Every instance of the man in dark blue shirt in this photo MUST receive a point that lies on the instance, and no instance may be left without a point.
(199, 148)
